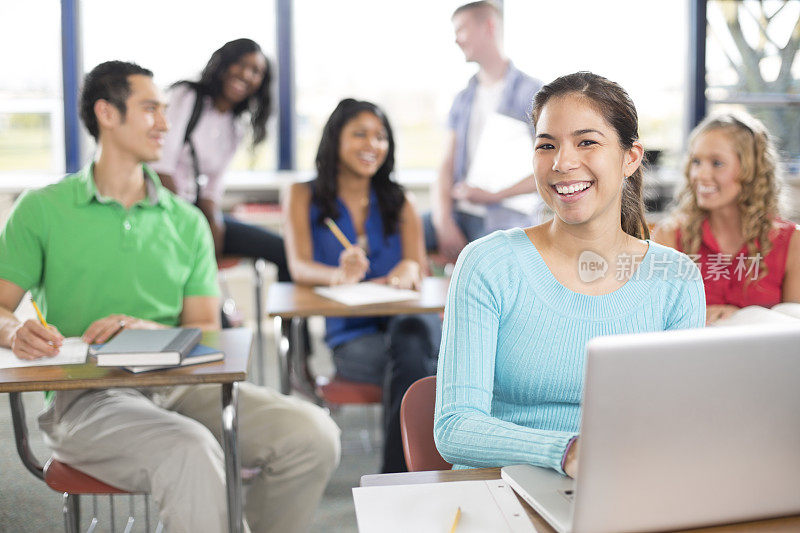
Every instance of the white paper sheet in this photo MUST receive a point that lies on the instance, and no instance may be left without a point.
(366, 293)
(73, 352)
(503, 157)
(431, 507)
(784, 313)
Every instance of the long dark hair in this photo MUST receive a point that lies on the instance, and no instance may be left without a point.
(210, 84)
(618, 110)
(325, 187)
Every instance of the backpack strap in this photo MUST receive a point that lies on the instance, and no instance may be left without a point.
(193, 120)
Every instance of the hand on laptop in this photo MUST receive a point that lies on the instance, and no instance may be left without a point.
(571, 463)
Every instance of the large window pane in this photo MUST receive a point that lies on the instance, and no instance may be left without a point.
(750, 58)
(175, 39)
(640, 44)
(31, 116)
(399, 55)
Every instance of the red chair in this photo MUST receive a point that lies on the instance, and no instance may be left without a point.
(341, 392)
(70, 482)
(337, 392)
(416, 427)
(332, 393)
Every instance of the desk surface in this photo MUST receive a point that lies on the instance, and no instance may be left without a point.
(288, 300)
(235, 343)
(789, 524)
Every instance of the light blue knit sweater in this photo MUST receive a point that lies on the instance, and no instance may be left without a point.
(510, 377)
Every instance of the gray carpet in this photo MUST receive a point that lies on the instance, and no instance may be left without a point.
(28, 505)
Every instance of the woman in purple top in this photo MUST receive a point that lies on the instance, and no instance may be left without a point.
(235, 82)
(354, 188)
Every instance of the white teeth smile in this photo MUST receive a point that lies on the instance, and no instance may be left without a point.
(570, 189)
(706, 189)
(370, 158)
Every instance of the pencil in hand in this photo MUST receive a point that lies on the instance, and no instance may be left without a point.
(44, 322)
(39, 314)
(337, 233)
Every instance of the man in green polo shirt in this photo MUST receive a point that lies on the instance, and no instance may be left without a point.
(109, 248)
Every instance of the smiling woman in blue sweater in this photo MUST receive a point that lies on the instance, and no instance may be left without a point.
(523, 303)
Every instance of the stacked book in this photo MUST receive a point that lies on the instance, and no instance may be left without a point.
(139, 350)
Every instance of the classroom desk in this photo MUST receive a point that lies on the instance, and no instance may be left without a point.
(789, 524)
(289, 305)
(235, 343)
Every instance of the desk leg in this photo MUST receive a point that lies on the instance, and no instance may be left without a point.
(258, 266)
(304, 381)
(233, 469)
(284, 347)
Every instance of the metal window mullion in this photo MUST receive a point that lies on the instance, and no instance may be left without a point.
(284, 30)
(71, 70)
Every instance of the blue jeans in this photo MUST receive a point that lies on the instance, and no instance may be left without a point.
(395, 358)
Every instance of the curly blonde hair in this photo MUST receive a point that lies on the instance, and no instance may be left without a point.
(759, 198)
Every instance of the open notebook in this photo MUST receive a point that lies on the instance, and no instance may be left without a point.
(783, 313)
(366, 293)
(430, 507)
(73, 352)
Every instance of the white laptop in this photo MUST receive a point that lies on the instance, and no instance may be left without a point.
(680, 429)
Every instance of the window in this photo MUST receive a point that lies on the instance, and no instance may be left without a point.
(750, 65)
(175, 39)
(399, 55)
(31, 116)
(639, 44)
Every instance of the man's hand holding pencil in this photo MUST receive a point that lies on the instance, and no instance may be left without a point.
(33, 339)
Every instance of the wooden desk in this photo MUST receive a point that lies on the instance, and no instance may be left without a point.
(789, 524)
(289, 305)
(235, 343)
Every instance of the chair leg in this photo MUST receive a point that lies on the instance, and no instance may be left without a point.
(146, 512)
(94, 522)
(131, 512)
(71, 511)
(112, 524)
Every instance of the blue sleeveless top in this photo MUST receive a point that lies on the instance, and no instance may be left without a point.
(384, 252)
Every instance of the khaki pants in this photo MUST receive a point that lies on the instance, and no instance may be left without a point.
(168, 444)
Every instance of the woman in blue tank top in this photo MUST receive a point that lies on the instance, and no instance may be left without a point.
(354, 188)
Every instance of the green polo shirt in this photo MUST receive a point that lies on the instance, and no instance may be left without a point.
(84, 257)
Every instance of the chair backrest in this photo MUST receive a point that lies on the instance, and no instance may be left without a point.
(416, 427)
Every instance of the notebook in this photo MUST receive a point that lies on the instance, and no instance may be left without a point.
(73, 352)
(366, 293)
(430, 508)
(199, 354)
(786, 312)
(138, 347)
(502, 158)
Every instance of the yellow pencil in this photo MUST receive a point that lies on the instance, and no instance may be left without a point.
(337, 233)
(455, 520)
(39, 313)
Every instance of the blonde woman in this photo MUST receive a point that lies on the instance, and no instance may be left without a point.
(728, 219)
